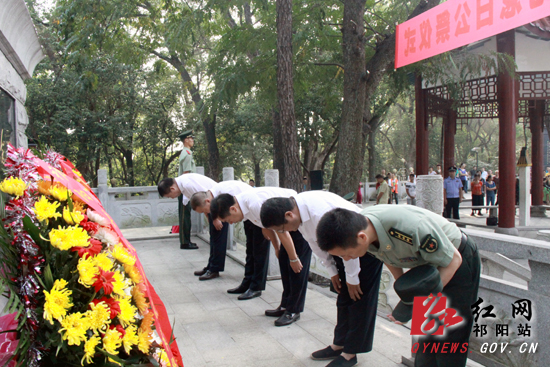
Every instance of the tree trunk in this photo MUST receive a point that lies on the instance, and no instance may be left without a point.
(257, 173)
(278, 161)
(372, 155)
(128, 157)
(209, 124)
(349, 159)
(291, 177)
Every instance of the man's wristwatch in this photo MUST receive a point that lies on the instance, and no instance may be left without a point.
(295, 260)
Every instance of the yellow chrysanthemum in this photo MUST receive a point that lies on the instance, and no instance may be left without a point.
(44, 187)
(128, 311)
(67, 238)
(99, 317)
(89, 349)
(122, 255)
(60, 192)
(74, 327)
(87, 271)
(44, 209)
(163, 358)
(57, 302)
(78, 206)
(73, 217)
(103, 261)
(120, 284)
(112, 341)
(130, 338)
(139, 300)
(13, 186)
(133, 273)
(144, 341)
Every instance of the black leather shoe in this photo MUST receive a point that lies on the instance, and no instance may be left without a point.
(287, 318)
(240, 289)
(342, 362)
(209, 275)
(249, 294)
(327, 353)
(200, 272)
(189, 246)
(278, 312)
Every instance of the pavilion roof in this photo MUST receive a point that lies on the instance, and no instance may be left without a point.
(540, 28)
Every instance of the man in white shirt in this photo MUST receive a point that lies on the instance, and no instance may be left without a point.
(294, 255)
(411, 190)
(186, 185)
(356, 281)
(257, 247)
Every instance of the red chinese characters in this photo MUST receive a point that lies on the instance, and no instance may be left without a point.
(484, 12)
(443, 27)
(410, 35)
(462, 15)
(425, 35)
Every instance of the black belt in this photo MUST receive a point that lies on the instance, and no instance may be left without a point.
(463, 242)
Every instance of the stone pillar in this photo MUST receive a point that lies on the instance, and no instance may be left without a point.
(422, 158)
(449, 146)
(536, 123)
(229, 175)
(102, 189)
(524, 196)
(429, 193)
(272, 177)
(507, 105)
(197, 224)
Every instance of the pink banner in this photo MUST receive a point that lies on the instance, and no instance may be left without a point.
(456, 23)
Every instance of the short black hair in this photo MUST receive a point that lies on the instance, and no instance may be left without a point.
(411, 175)
(273, 211)
(219, 207)
(379, 176)
(251, 180)
(164, 186)
(197, 199)
(339, 228)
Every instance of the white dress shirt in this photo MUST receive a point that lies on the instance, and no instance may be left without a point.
(191, 183)
(232, 187)
(251, 201)
(312, 206)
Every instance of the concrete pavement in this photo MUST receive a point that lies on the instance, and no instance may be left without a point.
(213, 328)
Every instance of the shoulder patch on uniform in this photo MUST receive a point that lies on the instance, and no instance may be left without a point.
(429, 244)
(188, 152)
(402, 236)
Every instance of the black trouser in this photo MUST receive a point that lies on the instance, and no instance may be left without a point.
(461, 293)
(477, 200)
(464, 185)
(356, 319)
(218, 246)
(257, 257)
(452, 205)
(295, 284)
(184, 216)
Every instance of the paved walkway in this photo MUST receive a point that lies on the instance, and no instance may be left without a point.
(213, 328)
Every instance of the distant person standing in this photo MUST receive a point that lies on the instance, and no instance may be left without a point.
(463, 174)
(496, 179)
(252, 183)
(484, 174)
(186, 165)
(477, 194)
(431, 171)
(438, 169)
(490, 189)
(304, 182)
(394, 183)
(546, 192)
(410, 186)
(383, 191)
(452, 193)
(359, 196)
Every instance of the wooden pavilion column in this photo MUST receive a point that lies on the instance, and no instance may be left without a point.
(422, 146)
(507, 112)
(536, 116)
(449, 141)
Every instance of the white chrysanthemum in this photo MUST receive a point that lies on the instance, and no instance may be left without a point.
(96, 218)
(107, 236)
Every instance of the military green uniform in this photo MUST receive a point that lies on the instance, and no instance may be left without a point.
(409, 236)
(186, 163)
